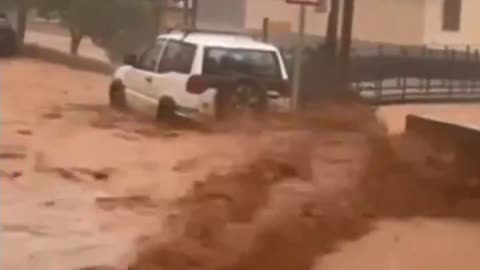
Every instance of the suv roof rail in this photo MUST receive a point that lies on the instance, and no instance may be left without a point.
(188, 31)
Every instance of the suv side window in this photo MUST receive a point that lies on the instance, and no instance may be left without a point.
(178, 57)
(149, 59)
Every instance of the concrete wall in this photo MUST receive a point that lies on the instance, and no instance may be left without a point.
(283, 16)
(389, 21)
(469, 33)
(174, 17)
(221, 14)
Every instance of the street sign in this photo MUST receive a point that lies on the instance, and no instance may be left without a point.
(307, 2)
(321, 6)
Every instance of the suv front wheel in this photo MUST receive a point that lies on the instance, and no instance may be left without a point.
(117, 96)
(166, 109)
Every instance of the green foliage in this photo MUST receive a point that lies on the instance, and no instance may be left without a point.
(47, 8)
(92, 17)
(7, 3)
(132, 28)
(119, 26)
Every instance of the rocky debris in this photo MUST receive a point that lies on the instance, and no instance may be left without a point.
(77, 173)
(186, 165)
(11, 175)
(126, 136)
(98, 268)
(98, 175)
(9, 151)
(71, 173)
(25, 132)
(54, 113)
(32, 230)
(49, 203)
(65, 173)
(128, 202)
(156, 131)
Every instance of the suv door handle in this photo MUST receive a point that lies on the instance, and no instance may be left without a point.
(148, 79)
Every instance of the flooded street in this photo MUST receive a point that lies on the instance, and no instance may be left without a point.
(462, 113)
(70, 165)
(89, 181)
(415, 244)
(82, 185)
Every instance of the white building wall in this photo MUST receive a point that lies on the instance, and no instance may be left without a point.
(388, 21)
(221, 14)
(469, 33)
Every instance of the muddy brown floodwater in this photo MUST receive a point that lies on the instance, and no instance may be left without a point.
(85, 187)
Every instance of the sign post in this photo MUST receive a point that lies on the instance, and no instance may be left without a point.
(298, 65)
(300, 45)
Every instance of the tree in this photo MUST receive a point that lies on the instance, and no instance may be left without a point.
(45, 8)
(133, 28)
(88, 18)
(112, 24)
(21, 7)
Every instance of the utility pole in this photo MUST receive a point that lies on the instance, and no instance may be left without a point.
(332, 29)
(186, 13)
(158, 9)
(346, 42)
(194, 13)
(297, 73)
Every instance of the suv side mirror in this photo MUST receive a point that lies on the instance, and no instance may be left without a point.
(130, 59)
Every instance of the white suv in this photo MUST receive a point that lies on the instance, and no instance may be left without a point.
(202, 75)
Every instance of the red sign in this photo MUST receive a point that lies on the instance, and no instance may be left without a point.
(307, 2)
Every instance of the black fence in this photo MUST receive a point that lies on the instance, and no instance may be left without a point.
(397, 74)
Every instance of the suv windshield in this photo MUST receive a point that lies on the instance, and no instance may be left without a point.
(225, 61)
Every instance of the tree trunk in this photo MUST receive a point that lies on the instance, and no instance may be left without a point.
(332, 29)
(22, 16)
(75, 40)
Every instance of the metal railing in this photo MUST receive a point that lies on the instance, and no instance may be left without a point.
(411, 90)
(397, 74)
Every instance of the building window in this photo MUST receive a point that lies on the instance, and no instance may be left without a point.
(452, 13)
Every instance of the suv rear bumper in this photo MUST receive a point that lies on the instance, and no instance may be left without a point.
(206, 108)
